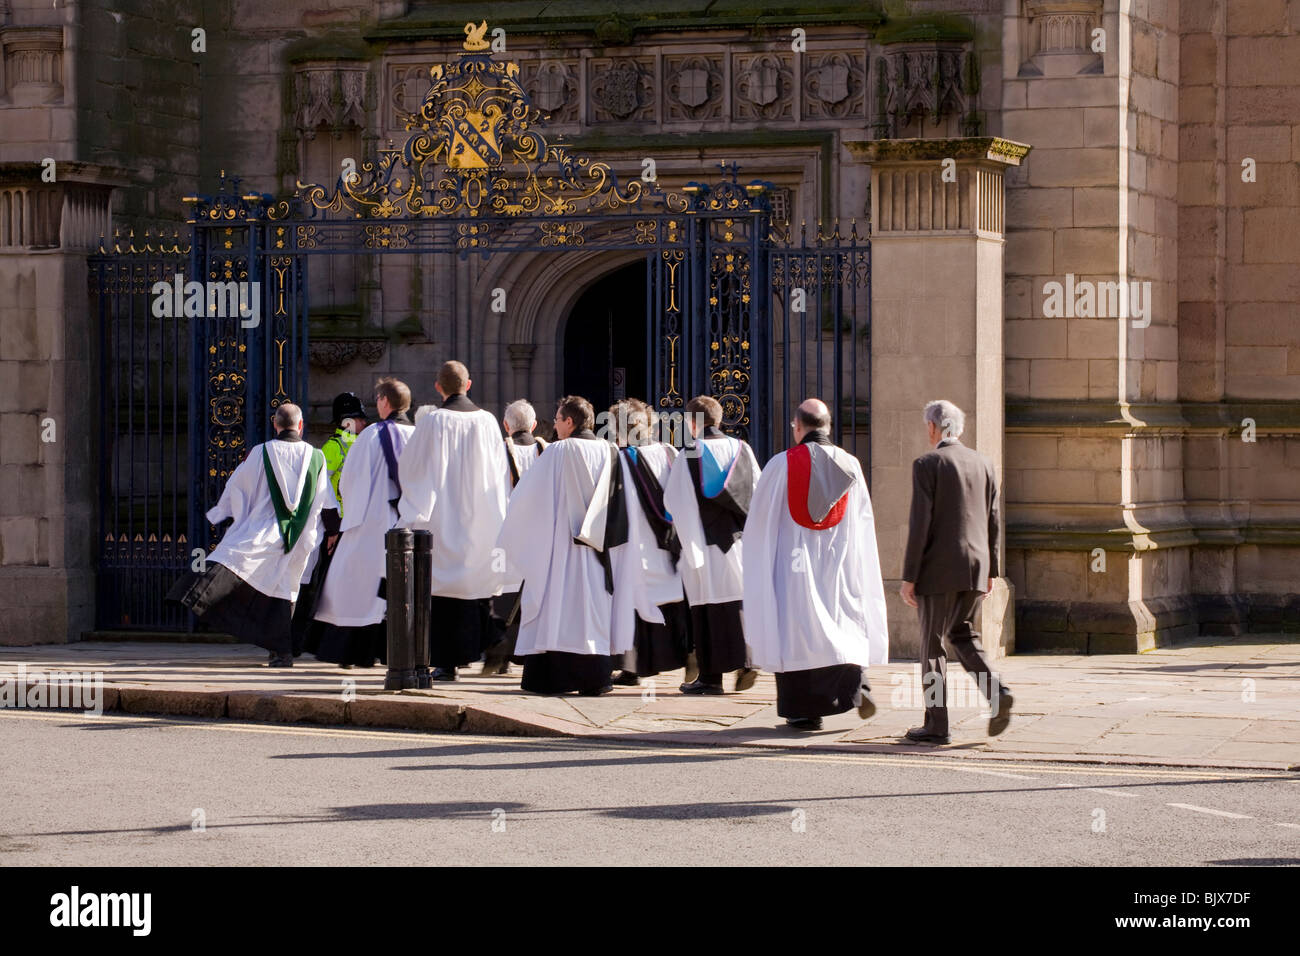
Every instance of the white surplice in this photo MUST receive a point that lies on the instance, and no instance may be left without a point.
(709, 575)
(644, 575)
(252, 547)
(453, 473)
(524, 456)
(564, 606)
(350, 597)
(812, 598)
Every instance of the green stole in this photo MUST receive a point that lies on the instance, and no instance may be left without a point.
(291, 522)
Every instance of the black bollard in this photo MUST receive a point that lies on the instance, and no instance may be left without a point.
(400, 545)
(423, 604)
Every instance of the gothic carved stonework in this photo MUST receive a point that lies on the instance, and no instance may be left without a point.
(1057, 37)
(764, 86)
(333, 354)
(553, 87)
(834, 85)
(922, 80)
(406, 87)
(622, 91)
(329, 95)
(693, 89)
(33, 64)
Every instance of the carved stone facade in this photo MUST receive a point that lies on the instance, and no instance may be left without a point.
(1130, 442)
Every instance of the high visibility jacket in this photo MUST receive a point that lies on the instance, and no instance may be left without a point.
(336, 450)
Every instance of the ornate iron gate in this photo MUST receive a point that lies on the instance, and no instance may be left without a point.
(145, 491)
(734, 310)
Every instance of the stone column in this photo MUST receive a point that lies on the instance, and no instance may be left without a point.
(936, 315)
(48, 422)
(521, 363)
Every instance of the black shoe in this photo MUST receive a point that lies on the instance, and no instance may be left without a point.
(924, 735)
(280, 660)
(692, 668)
(346, 667)
(698, 687)
(745, 678)
(493, 668)
(597, 692)
(804, 723)
(625, 679)
(1002, 715)
(443, 673)
(867, 708)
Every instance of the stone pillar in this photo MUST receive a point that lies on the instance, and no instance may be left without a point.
(48, 425)
(936, 315)
(521, 363)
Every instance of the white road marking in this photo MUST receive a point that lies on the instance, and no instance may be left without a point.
(993, 773)
(1293, 826)
(1217, 813)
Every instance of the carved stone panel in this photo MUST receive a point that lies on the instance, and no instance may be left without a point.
(329, 95)
(763, 86)
(553, 87)
(922, 80)
(834, 85)
(693, 87)
(621, 90)
(33, 64)
(407, 85)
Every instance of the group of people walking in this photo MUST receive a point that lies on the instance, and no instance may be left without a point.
(605, 556)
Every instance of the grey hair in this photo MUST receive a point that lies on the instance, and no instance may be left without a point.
(520, 415)
(287, 416)
(947, 417)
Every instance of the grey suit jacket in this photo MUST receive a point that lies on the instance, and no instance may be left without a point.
(952, 541)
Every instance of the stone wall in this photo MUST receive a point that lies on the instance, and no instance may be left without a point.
(1134, 503)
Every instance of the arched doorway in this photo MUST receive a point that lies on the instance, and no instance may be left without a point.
(605, 339)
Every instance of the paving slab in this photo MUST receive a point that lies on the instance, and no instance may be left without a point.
(1234, 704)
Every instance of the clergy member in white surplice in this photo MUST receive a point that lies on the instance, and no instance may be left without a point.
(522, 449)
(564, 514)
(274, 499)
(647, 588)
(708, 495)
(814, 598)
(351, 610)
(453, 474)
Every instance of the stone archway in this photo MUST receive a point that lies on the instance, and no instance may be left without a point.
(604, 346)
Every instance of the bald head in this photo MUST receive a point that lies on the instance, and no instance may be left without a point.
(812, 416)
(287, 417)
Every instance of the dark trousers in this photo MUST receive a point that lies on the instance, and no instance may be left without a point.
(951, 615)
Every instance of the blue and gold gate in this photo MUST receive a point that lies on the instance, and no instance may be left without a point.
(755, 318)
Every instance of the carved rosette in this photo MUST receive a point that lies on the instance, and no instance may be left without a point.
(621, 91)
(552, 86)
(834, 85)
(693, 87)
(763, 86)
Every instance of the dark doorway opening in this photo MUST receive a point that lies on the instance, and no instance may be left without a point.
(605, 340)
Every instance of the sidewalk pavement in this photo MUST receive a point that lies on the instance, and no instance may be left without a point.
(1201, 704)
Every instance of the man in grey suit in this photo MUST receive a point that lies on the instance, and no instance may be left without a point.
(951, 561)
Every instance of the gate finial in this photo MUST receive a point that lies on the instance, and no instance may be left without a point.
(474, 42)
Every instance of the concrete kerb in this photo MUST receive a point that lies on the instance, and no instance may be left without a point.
(400, 711)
